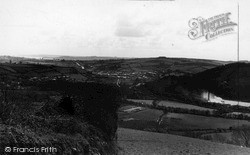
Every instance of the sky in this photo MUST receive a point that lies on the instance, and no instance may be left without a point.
(119, 28)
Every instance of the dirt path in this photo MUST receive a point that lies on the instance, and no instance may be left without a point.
(134, 142)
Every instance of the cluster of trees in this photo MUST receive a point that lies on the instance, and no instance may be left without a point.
(222, 107)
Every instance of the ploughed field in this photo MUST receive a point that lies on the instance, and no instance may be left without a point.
(141, 142)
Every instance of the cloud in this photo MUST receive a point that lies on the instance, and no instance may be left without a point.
(129, 27)
(131, 32)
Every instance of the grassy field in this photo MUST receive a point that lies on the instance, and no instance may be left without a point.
(141, 142)
(175, 121)
(202, 122)
(209, 128)
(171, 104)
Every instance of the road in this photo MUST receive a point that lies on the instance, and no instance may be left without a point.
(82, 67)
(134, 142)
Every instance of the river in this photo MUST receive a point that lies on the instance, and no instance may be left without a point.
(210, 97)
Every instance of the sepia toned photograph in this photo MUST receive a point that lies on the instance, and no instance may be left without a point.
(124, 77)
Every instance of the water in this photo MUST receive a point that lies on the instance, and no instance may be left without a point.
(245, 104)
(213, 98)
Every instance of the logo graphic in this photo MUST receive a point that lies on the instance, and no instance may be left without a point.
(7, 149)
(212, 27)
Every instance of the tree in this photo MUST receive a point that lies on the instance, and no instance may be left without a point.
(155, 103)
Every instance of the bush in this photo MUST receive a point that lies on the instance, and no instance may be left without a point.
(86, 116)
(96, 103)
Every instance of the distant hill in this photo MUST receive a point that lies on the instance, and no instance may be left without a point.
(225, 81)
(161, 64)
(86, 58)
(222, 81)
(60, 57)
(159, 76)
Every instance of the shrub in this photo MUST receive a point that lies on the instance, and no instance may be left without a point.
(97, 103)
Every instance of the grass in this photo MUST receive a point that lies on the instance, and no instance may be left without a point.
(24, 127)
(33, 117)
(19, 118)
(209, 128)
(184, 121)
(172, 104)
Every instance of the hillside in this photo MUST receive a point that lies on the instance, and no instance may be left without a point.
(221, 81)
(140, 70)
(129, 71)
(56, 106)
(142, 142)
(86, 90)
